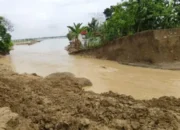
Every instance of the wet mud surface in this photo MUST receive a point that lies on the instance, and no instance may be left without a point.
(57, 102)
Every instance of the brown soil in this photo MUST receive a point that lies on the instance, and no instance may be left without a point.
(57, 102)
(154, 49)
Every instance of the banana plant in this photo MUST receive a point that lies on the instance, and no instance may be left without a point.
(75, 31)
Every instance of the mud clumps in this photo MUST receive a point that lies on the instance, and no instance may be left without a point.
(7, 117)
(68, 79)
(57, 102)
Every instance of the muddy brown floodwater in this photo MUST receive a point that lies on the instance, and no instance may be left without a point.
(49, 56)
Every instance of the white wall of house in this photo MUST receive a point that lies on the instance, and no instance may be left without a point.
(82, 39)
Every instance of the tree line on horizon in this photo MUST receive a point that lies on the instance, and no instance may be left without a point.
(127, 18)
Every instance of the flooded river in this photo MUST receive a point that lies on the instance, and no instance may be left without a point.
(49, 56)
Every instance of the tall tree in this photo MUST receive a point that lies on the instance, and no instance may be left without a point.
(6, 23)
(93, 25)
(5, 37)
(108, 12)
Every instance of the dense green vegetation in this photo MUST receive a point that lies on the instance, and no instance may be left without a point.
(5, 37)
(134, 16)
(139, 15)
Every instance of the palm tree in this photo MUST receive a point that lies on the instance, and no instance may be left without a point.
(93, 28)
(75, 31)
(93, 25)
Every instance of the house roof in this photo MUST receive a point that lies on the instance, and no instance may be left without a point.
(84, 32)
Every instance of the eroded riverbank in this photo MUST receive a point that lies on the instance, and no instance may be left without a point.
(151, 49)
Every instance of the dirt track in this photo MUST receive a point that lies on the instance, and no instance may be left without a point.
(57, 102)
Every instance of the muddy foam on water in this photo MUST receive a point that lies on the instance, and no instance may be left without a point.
(49, 56)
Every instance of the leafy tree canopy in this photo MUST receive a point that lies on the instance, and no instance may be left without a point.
(132, 16)
(138, 15)
(5, 37)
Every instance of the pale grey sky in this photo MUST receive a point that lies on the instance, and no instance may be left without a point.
(36, 18)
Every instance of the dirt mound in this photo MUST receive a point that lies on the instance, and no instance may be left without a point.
(68, 79)
(57, 102)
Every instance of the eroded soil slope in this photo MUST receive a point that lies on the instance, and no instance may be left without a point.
(57, 102)
(156, 48)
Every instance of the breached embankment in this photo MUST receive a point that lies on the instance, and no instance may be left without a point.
(156, 48)
(57, 102)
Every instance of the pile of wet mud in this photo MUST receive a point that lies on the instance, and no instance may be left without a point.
(57, 102)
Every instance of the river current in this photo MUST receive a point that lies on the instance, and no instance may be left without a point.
(50, 56)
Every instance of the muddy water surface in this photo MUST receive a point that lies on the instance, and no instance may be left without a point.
(49, 56)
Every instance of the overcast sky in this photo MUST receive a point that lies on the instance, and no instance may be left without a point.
(36, 18)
